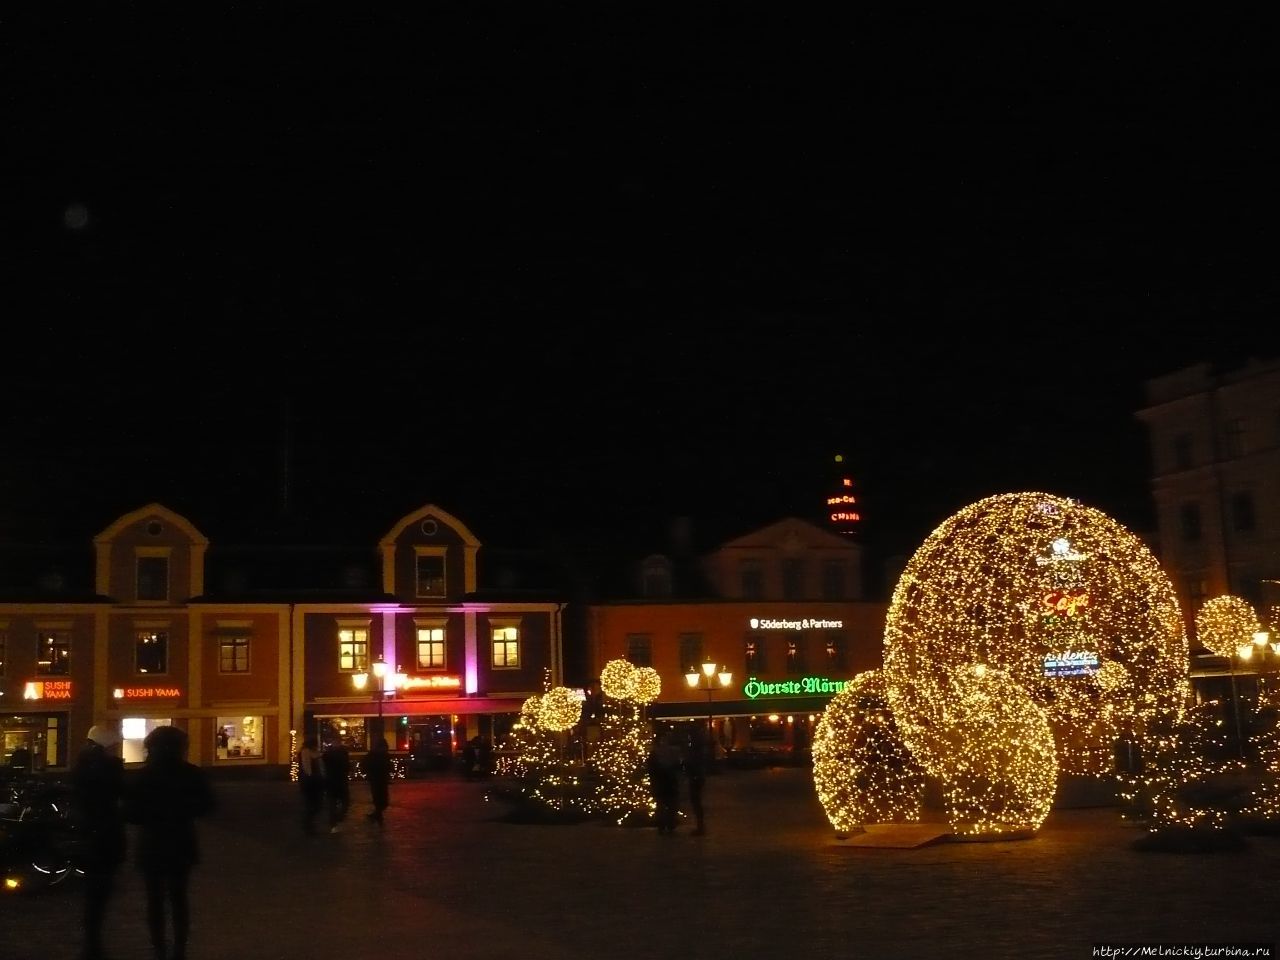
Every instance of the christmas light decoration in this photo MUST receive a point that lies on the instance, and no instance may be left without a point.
(1224, 624)
(617, 679)
(648, 685)
(1050, 592)
(561, 709)
(862, 770)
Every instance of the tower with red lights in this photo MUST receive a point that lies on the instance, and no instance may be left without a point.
(842, 510)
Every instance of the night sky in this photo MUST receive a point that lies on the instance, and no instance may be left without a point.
(571, 272)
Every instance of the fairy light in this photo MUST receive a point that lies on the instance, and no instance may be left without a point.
(1225, 624)
(617, 679)
(648, 685)
(1051, 593)
(862, 770)
(561, 709)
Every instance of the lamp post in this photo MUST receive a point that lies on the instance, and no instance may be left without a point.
(706, 680)
(381, 671)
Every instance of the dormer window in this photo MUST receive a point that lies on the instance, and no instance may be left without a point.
(429, 573)
(151, 651)
(153, 576)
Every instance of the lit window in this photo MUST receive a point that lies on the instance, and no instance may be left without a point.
(506, 647)
(53, 653)
(233, 654)
(151, 651)
(755, 653)
(837, 646)
(795, 656)
(431, 650)
(237, 737)
(153, 578)
(353, 649)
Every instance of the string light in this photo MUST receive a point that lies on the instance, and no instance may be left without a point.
(1224, 624)
(617, 679)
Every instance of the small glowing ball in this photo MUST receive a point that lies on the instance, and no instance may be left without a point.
(531, 709)
(618, 679)
(1048, 591)
(862, 770)
(1225, 623)
(561, 709)
(648, 684)
(1000, 772)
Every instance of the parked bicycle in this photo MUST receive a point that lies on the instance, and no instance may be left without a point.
(38, 842)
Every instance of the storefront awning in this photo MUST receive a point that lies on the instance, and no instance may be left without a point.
(418, 708)
(693, 709)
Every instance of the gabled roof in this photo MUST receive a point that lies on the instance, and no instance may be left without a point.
(151, 510)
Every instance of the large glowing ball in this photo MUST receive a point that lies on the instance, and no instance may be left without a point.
(561, 709)
(1226, 623)
(1050, 592)
(862, 770)
(618, 679)
(1000, 770)
(648, 684)
(531, 709)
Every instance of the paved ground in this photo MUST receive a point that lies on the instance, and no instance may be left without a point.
(448, 878)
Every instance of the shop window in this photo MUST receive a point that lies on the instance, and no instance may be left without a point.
(353, 647)
(833, 580)
(752, 577)
(1190, 516)
(505, 641)
(691, 653)
(792, 579)
(151, 651)
(133, 731)
(233, 654)
(238, 737)
(53, 653)
(431, 647)
(153, 578)
(1242, 514)
(430, 573)
(640, 649)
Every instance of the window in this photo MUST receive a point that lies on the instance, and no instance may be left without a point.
(506, 646)
(430, 572)
(431, 649)
(233, 654)
(1182, 451)
(832, 580)
(237, 737)
(755, 653)
(752, 581)
(153, 578)
(640, 649)
(1190, 522)
(837, 651)
(53, 653)
(353, 647)
(795, 656)
(792, 578)
(1233, 438)
(151, 651)
(690, 651)
(1242, 515)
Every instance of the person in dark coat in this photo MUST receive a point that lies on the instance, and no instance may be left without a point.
(311, 781)
(377, 770)
(97, 794)
(337, 782)
(664, 781)
(695, 760)
(164, 800)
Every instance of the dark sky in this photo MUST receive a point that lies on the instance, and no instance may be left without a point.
(572, 271)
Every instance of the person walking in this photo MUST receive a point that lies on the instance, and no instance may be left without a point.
(337, 779)
(311, 781)
(377, 770)
(97, 816)
(695, 762)
(664, 781)
(164, 800)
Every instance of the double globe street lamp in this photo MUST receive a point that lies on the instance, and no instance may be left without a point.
(707, 680)
(386, 681)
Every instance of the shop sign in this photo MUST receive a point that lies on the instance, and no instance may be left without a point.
(47, 690)
(432, 683)
(1071, 663)
(766, 623)
(146, 693)
(753, 689)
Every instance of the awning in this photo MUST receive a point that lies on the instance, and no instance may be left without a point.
(418, 708)
(693, 709)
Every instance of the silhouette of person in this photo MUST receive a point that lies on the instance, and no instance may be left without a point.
(337, 779)
(311, 781)
(377, 770)
(97, 795)
(164, 800)
(664, 781)
(695, 770)
(20, 761)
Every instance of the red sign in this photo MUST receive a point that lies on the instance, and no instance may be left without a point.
(145, 693)
(47, 690)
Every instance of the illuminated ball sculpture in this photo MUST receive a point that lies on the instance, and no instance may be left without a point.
(1048, 591)
(648, 685)
(862, 770)
(561, 709)
(1000, 771)
(618, 679)
(1226, 623)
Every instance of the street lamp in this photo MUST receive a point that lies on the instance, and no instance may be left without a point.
(381, 672)
(706, 680)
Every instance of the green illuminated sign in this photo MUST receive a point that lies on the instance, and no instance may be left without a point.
(754, 689)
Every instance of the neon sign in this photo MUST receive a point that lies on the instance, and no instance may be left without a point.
(146, 693)
(803, 624)
(432, 683)
(47, 690)
(753, 689)
(1071, 663)
(1065, 604)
